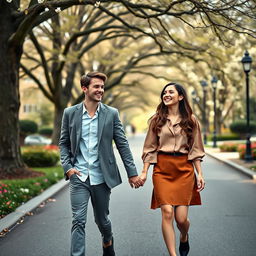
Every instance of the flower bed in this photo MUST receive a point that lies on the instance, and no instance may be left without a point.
(238, 147)
(13, 193)
(229, 147)
(242, 148)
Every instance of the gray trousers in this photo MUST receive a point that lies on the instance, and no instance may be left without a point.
(80, 192)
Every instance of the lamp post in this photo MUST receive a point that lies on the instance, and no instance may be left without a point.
(247, 61)
(214, 86)
(193, 99)
(204, 85)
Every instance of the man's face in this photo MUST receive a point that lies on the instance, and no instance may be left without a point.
(95, 90)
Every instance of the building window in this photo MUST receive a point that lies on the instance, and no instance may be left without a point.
(28, 108)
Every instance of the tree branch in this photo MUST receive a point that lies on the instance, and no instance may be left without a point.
(37, 81)
(44, 62)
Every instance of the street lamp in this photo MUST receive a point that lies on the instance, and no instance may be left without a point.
(193, 99)
(214, 86)
(204, 85)
(247, 61)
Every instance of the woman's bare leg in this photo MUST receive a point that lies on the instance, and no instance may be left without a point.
(181, 217)
(168, 229)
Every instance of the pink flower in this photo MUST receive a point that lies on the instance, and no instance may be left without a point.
(5, 191)
(51, 147)
(7, 203)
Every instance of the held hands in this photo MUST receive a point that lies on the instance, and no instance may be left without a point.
(138, 181)
(135, 182)
(143, 177)
(200, 183)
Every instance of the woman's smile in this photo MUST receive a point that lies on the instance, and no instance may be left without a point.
(167, 99)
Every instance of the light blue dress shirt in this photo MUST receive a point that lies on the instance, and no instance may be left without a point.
(87, 160)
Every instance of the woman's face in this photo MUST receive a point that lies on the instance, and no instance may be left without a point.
(171, 96)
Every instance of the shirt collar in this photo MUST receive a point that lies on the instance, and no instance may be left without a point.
(176, 122)
(97, 110)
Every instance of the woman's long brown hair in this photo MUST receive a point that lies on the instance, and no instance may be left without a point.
(160, 118)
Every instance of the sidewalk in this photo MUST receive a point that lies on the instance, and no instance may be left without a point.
(232, 159)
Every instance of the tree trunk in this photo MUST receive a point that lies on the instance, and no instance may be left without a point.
(62, 97)
(58, 112)
(11, 163)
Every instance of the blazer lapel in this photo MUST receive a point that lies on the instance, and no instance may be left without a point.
(102, 117)
(78, 122)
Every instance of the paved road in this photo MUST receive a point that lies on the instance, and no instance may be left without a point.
(225, 225)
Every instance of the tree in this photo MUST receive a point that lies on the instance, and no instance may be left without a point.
(18, 19)
(15, 24)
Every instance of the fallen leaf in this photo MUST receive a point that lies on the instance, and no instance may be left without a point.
(42, 205)
(29, 213)
(51, 200)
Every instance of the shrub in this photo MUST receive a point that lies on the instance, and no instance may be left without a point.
(27, 127)
(240, 127)
(47, 131)
(40, 156)
(224, 137)
(229, 147)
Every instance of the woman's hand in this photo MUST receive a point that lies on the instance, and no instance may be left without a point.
(143, 177)
(200, 183)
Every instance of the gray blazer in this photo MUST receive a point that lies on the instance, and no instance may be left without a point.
(109, 129)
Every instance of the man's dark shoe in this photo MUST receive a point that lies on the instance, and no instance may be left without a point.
(184, 248)
(109, 251)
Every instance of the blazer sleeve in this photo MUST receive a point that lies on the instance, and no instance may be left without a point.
(123, 146)
(64, 144)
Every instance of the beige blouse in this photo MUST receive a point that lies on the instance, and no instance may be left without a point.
(171, 139)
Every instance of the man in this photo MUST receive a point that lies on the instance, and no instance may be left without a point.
(88, 160)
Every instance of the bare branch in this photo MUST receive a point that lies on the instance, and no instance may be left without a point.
(43, 59)
(37, 81)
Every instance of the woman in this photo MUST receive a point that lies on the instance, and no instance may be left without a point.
(174, 145)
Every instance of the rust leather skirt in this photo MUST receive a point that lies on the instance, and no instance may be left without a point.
(174, 182)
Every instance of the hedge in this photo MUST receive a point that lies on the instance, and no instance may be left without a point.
(40, 156)
(240, 127)
(28, 127)
(47, 131)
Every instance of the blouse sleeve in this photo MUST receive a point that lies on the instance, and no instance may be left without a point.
(149, 154)
(196, 151)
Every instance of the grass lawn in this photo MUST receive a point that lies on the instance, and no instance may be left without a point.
(253, 168)
(14, 193)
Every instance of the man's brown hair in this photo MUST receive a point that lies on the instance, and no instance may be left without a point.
(86, 79)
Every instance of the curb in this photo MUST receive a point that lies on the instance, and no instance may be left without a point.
(13, 218)
(238, 167)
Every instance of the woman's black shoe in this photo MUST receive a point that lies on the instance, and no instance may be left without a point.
(184, 248)
(109, 251)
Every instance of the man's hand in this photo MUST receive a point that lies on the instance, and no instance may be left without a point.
(135, 182)
(73, 171)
